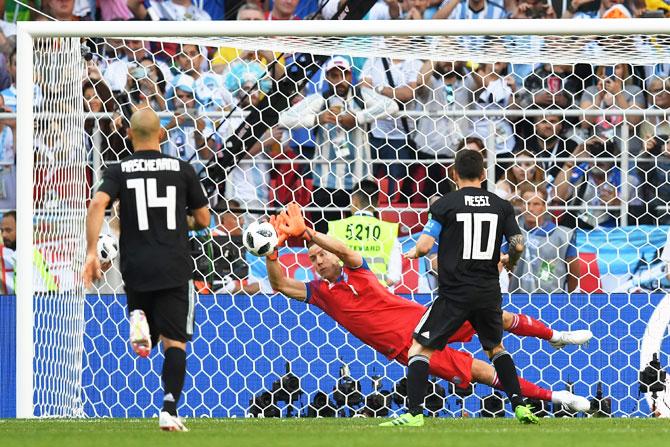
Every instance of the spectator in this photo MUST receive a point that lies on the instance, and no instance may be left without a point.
(99, 98)
(185, 132)
(376, 240)
(473, 144)
(414, 9)
(114, 10)
(338, 116)
(210, 91)
(7, 160)
(15, 12)
(146, 87)
(614, 90)
(439, 88)
(390, 138)
(534, 9)
(222, 266)
(550, 85)
(283, 10)
(226, 55)
(174, 10)
(62, 10)
(549, 141)
(153, 84)
(594, 187)
(92, 102)
(655, 187)
(614, 9)
(8, 253)
(550, 263)
(489, 90)
(655, 71)
(582, 9)
(131, 52)
(382, 10)
(248, 182)
(471, 9)
(95, 104)
(215, 8)
(7, 44)
(43, 279)
(247, 82)
(9, 93)
(659, 99)
(525, 173)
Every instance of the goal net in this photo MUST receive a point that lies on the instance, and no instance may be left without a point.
(573, 127)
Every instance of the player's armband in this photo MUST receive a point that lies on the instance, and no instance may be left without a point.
(432, 229)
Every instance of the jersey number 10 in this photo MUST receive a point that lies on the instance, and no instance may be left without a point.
(146, 196)
(473, 224)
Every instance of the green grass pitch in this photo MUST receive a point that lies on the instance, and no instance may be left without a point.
(336, 432)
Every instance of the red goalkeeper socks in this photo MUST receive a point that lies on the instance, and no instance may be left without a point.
(528, 389)
(530, 327)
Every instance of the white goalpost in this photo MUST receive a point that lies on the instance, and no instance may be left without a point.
(65, 368)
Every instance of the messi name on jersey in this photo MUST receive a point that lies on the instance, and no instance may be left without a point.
(146, 165)
(476, 200)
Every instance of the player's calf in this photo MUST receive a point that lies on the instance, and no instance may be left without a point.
(526, 326)
(174, 371)
(140, 336)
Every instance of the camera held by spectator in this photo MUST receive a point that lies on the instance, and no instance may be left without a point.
(534, 9)
(658, 145)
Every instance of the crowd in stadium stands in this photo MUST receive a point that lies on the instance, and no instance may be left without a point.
(353, 100)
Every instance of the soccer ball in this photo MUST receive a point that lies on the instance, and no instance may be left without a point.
(260, 238)
(108, 248)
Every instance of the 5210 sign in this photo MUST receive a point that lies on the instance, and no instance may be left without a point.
(361, 232)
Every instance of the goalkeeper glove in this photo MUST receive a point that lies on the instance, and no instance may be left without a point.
(293, 223)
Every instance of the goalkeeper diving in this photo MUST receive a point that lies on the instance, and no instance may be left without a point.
(351, 294)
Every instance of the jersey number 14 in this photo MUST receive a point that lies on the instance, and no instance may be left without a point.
(473, 224)
(146, 196)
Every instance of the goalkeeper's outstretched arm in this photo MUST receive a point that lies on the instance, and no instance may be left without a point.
(349, 257)
(292, 223)
(281, 283)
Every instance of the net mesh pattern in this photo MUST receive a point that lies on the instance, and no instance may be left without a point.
(60, 194)
(264, 125)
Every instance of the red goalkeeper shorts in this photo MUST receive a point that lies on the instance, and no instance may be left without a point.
(449, 364)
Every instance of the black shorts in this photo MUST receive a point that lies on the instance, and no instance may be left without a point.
(444, 317)
(169, 311)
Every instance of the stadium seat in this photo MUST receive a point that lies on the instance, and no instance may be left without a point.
(589, 281)
(298, 266)
(409, 282)
(383, 192)
(411, 220)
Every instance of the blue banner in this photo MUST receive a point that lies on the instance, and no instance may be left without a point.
(619, 250)
(242, 344)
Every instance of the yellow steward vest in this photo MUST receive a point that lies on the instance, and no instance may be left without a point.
(371, 237)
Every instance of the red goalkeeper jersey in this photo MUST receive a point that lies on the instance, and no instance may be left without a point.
(364, 307)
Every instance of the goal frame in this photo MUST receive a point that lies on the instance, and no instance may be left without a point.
(27, 31)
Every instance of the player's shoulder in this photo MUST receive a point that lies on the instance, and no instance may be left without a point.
(364, 268)
(500, 203)
(446, 200)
